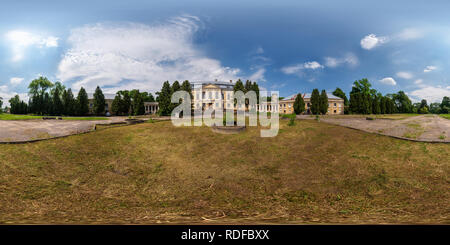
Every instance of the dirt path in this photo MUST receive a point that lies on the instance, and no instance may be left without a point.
(428, 128)
(25, 130)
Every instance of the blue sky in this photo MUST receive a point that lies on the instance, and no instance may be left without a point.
(286, 46)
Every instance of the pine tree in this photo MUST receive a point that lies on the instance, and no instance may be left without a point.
(299, 104)
(58, 107)
(126, 103)
(164, 99)
(323, 102)
(99, 101)
(115, 107)
(69, 103)
(315, 102)
(82, 102)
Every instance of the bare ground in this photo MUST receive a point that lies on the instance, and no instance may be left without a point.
(427, 128)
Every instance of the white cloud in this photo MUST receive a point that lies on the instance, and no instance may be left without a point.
(132, 55)
(258, 76)
(371, 41)
(20, 40)
(410, 33)
(418, 81)
(349, 59)
(430, 93)
(429, 68)
(404, 75)
(6, 95)
(313, 65)
(16, 80)
(388, 81)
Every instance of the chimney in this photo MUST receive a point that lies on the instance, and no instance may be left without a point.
(231, 81)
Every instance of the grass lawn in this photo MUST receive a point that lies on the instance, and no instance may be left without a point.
(446, 116)
(311, 172)
(5, 116)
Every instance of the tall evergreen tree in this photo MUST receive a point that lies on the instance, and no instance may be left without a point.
(164, 99)
(69, 102)
(299, 104)
(82, 102)
(445, 105)
(116, 105)
(315, 102)
(138, 104)
(239, 86)
(99, 101)
(126, 103)
(57, 105)
(186, 86)
(323, 102)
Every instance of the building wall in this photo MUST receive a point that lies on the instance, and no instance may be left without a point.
(335, 106)
(108, 105)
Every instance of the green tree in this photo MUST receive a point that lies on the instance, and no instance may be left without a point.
(116, 105)
(82, 102)
(323, 102)
(186, 86)
(126, 103)
(445, 105)
(47, 104)
(164, 99)
(239, 86)
(299, 104)
(39, 86)
(1, 104)
(138, 107)
(339, 93)
(423, 107)
(69, 102)
(57, 104)
(402, 102)
(382, 104)
(315, 102)
(99, 101)
(435, 108)
(36, 90)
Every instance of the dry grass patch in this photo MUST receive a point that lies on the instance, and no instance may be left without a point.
(154, 172)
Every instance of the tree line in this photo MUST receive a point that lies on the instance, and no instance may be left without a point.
(47, 98)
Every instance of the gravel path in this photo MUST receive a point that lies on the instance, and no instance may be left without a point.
(25, 130)
(427, 128)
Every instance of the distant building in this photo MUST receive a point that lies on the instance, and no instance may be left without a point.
(212, 94)
(108, 102)
(335, 104)
(151, 107)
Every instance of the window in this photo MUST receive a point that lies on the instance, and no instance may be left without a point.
(334, 111)
(203, 95)
(217, 95)
(228, 96)
(334, 104)
(91, 105)
(217, 104)
(209, 95)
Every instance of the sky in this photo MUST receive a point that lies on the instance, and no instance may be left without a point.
(285, 46)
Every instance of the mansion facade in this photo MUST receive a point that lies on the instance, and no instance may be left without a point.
(217, 95)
